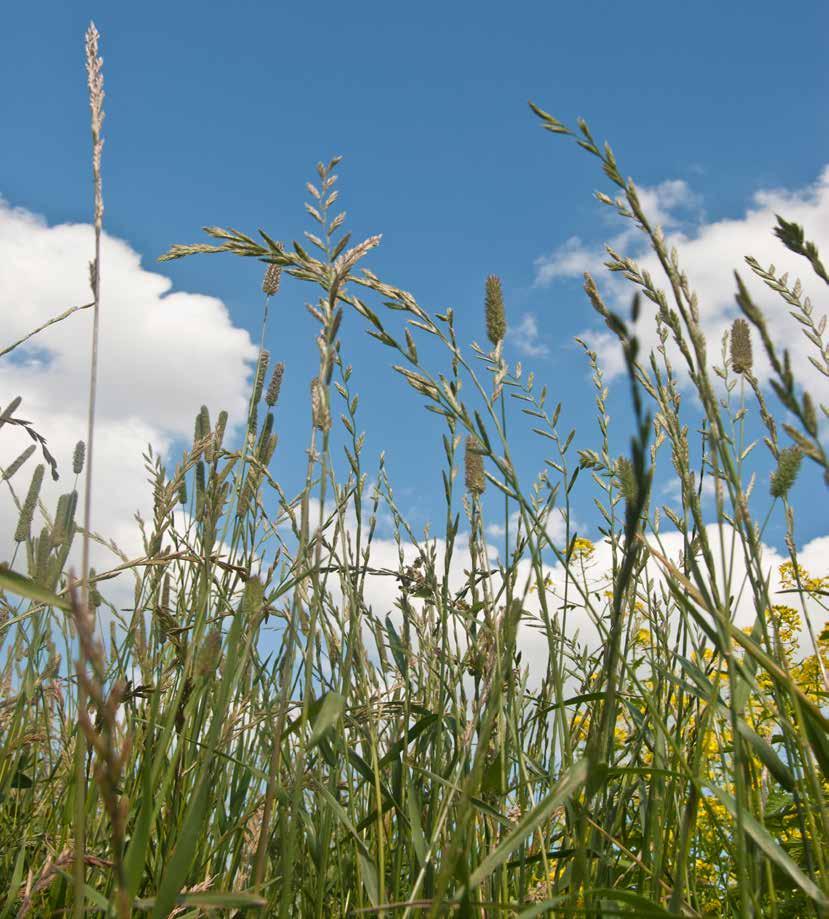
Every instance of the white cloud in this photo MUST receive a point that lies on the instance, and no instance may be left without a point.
(709, 253)
(569, 260)
(162, 354)
(668, 205)
(526, 338)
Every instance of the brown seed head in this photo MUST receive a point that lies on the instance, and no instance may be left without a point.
(275, 385)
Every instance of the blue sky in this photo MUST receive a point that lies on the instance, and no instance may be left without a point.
(217, 113)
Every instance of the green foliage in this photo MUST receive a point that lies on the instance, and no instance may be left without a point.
(263, 734)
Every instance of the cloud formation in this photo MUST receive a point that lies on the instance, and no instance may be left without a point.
(709, 253)
(163, 353)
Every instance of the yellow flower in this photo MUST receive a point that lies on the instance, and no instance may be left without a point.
(583, 549)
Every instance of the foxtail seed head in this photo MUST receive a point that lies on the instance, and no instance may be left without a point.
(261, 371)
(741, 355)
(10, 470)
(496, 321)
(28, 510)
(78, 457)
(272, 394)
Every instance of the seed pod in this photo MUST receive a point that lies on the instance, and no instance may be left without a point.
(496, 321)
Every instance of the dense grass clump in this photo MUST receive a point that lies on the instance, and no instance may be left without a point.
(257, 734)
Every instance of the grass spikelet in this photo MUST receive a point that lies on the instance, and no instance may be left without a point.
(496, 319)
(742, 358)
(785, 475)
(272, 394)
(27, 512)
(474, 466)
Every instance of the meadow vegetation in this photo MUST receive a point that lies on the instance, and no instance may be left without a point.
(257, 734)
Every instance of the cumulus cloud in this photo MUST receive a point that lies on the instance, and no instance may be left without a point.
(709, 252)
(671, 205)
(162, 354)
(526, 337)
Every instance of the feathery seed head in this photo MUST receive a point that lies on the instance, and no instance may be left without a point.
(741, 354)
(496, 321)
(474, 466)
(272, 394)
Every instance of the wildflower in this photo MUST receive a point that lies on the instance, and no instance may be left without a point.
(582, 549)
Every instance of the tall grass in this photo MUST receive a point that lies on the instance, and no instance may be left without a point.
(258, 735)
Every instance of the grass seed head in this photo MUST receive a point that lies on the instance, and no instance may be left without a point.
(320, 413)
(272, 394)
(496, 321)
(788, 466)
(474, 466)
(741, 355)
(273, 276)
(15, 466)
(78, 457)
(28, 510)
